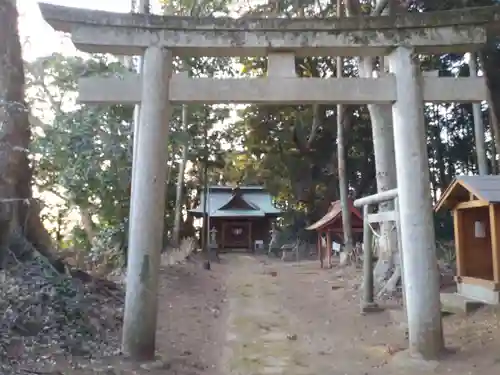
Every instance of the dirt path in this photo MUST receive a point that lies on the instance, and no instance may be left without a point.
(279, 322)
(257, 316)
(191, 319)
(293, 318)
(261, 336)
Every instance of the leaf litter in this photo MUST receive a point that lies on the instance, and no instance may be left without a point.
(45, 315)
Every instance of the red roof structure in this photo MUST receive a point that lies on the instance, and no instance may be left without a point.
(332, 221)
(331, 224)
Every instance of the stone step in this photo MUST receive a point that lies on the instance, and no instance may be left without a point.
(454, 303)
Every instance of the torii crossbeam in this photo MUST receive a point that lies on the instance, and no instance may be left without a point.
(282, 90)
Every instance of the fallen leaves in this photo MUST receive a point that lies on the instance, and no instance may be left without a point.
(45, 314)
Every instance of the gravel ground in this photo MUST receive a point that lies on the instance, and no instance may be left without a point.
(254, 315)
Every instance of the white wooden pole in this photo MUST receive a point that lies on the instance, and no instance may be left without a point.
(367, 304)
(401, 260)
(416, 215)
(147, 208)
(376, 198)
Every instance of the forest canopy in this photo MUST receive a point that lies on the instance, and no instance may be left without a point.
(82, 154)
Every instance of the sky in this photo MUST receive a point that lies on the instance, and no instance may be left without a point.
(39, 39)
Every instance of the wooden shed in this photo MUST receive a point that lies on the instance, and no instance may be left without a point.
(331, 226)
(475, 205)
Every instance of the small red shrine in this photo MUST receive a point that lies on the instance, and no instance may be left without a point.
(331, 227)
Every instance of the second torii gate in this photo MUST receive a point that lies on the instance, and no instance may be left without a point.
(158, 38)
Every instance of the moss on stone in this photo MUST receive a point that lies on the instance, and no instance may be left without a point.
(61, 16)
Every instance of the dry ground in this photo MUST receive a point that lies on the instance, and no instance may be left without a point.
(256, 316)
(191, 328)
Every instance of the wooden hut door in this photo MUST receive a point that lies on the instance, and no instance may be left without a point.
(237, 235)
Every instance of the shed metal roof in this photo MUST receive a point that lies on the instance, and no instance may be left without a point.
(238, 213)
(486, 188)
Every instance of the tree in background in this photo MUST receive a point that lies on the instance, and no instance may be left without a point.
(83, 153)
(291, 148)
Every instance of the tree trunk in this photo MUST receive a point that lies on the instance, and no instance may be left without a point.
(178, 196)
(385, 166)
(19, 212)
(180, 178)
(493, 151)
(87, 224)
(481, 159)
(341, 159)
(490, 61)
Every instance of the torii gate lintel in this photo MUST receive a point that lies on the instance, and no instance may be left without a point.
(281, 90)
(130, 34)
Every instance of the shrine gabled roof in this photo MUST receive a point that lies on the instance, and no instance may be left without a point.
(485, 188)
(259, 202)
(334, 213)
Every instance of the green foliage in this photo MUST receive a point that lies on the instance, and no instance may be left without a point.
(196, 7)
(83, 153)
(276, 144)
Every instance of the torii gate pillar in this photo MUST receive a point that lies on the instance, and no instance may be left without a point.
(415, 208)
(147, 207)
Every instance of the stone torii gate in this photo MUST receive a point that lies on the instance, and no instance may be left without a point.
(159, 38)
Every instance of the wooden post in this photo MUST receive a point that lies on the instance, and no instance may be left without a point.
(320, 255)
(495, 240)
(376, 198)
(458, 222)
(368, 304)
(223, 234)
(250, 242)
(400, 249)
(328, 249)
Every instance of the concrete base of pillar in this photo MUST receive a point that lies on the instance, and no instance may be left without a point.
(479, 293)
(403, 360)
(372, 307)
(399, 318)
(343, 258)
